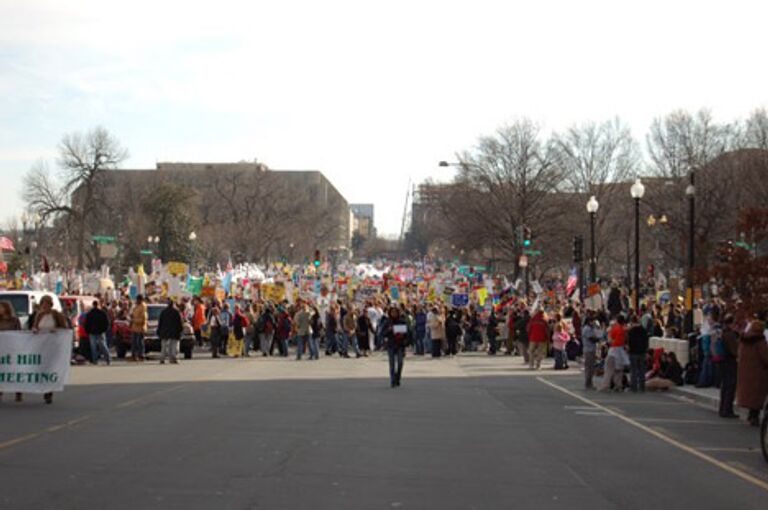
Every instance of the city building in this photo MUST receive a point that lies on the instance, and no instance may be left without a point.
(362, 220)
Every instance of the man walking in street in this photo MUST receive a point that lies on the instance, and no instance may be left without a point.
(96, 325)
(169, 329)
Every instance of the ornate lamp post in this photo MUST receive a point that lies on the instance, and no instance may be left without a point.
(592, 207)
(637, 191)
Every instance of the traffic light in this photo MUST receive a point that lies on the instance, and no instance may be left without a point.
(526, 237)
(578, 249)
(725, 250)
(316, 262)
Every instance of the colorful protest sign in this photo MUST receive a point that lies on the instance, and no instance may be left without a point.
(460, 300)
(177, 268)
(34, 363)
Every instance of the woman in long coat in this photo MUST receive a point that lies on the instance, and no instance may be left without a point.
(752, 385)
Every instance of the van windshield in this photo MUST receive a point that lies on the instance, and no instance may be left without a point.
(20, 303)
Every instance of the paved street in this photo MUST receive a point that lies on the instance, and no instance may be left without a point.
(467, 433)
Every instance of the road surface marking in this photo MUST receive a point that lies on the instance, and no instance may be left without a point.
(678, 420)
(667, 439)
(722, 449)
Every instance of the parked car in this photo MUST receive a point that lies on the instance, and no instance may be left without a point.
(75, 308)
(152, 341)
(23, 302)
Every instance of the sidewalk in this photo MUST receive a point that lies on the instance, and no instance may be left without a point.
(708, 397)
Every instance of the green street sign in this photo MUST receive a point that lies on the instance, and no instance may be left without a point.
(532, 253)
(103, 239)
(146, 252)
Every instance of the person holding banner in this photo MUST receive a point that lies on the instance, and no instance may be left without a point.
(9, 322)
(48, 319)
(397, 338)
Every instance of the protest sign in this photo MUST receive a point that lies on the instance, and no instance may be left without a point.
(34, 362)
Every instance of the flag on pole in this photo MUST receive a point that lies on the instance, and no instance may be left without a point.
(573, 280)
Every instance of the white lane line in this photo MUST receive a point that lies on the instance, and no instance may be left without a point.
(667, 439)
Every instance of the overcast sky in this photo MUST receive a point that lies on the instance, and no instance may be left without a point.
(370, 93)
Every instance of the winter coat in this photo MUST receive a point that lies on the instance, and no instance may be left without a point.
(637, 340)
(170, 325)
(139, 318)
(436, 328)
(752, 385)
(96, 322)
(538, 331)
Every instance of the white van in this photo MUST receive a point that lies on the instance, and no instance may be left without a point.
(23, 302)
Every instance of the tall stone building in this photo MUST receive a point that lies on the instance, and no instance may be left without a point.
(243, 210)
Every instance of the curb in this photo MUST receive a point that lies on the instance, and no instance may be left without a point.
(683, 393)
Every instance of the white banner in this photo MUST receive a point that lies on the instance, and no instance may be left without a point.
(34, 363)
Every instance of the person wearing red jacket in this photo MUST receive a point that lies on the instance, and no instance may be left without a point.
(538, 334)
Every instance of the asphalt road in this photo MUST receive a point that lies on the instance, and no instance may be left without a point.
(468, 433)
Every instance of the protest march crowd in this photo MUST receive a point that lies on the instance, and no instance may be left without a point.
(418, 308)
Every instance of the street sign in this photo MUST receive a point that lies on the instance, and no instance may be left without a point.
(532, 253)
(103, 239)
(523, 261)
(146, 252)
(108, 251)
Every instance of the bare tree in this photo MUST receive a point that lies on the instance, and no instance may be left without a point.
(73, 194)
(756, 130)
(503, 185)
(595, 160)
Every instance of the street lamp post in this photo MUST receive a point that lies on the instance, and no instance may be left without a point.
(592, 206)
(192, 239)
(637, 191)
(690, 192)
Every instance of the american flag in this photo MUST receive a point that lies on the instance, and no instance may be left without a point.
(573, 280)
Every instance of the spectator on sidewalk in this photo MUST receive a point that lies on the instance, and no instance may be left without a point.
(538, 334)
(637, 340)
(591, 335)
(670, 374)
(752, 385)
(617, 358)
(728, 368)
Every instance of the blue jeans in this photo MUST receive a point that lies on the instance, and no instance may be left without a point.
(99, 347)
(331, 343)
(707, 373)
(301, 340)
(137, 345)
(314, 347)
(418, 344)
(396, 358)
(426, 342)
